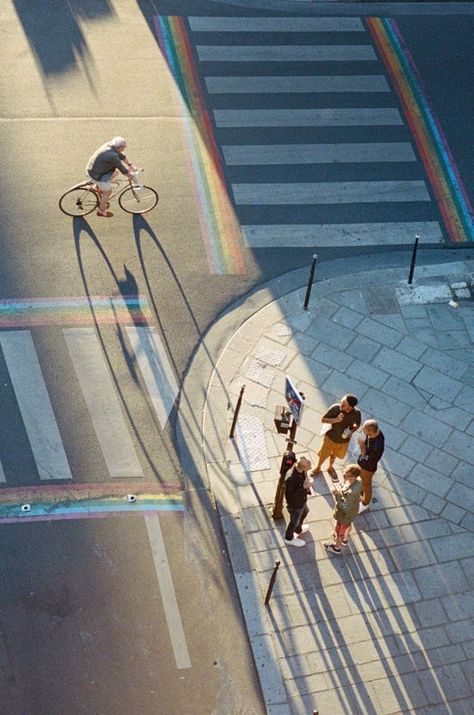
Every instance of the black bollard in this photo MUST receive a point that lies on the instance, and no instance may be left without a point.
(236, 413)
(413, 259)
(272, 582)
(310, 281)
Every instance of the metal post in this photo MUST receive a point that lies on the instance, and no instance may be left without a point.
(236, 413)
(272, 582)
(413, 259)
(310, 281)
(277, 512)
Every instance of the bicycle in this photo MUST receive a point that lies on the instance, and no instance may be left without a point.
(82, 199)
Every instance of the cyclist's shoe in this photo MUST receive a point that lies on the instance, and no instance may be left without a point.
(107, 214)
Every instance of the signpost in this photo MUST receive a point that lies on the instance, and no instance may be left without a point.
(295, 401)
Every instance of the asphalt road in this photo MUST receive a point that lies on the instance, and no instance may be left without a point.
(84, 625)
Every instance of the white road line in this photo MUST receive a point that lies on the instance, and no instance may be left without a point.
(251, 154)
(102, 402)
(289, 85)
(2, 474)
(336, 117)
(168, 595)
(350, 234)
(286, 53)
(156, 369)
(276, 24)
(341, 192)
(34, 403)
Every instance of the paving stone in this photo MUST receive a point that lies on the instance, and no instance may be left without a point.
(433, 503)
(409, 556)
(425, 530)
(454, 416)
(470, 429)
(457, 546)
(455, 338)
(420, 330)
(406, 515)
(440, 656)
(465, 399)
(468, 522)
(430, 612)
(442, 362)
(429, 429)
(460, 446)
(467, 646)
(347, 317)
(384, 407)
(416, 449)
(451, 684)
(352, 299)
(380, 333)
(462, 496)
(396, 463)
(440, 580)
(331, 357)
(396, 364)
(424, 639)
(437, 383)
(392, 321)
(462, 472)
(459, 630)
(412, 348)
(429, 479)
(303, 368)
(443, 317)
(440, 460)
(453, 513)
(339, 384)
(363, 347)
(414, 311)
(327, 331)
(402, 390)
(303, 343)
(368, 374)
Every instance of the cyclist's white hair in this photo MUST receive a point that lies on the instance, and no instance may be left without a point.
(117, 142)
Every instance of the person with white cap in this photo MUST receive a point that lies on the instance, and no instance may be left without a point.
(103, 165)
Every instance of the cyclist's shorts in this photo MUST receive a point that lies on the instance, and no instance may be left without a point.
(104, 182)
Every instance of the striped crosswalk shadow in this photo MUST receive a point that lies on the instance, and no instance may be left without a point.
(100, 393)
(316, 149)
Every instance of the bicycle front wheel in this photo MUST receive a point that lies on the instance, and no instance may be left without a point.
(78, 202)
(138, 199)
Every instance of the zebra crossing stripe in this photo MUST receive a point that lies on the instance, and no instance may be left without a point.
(2, 474)
(286, 53)
(296, 84)
(34, 404)
(237, 155)
(102, 402)
(276, 24)
(334, 117)
(155, 368)
(341, 192)
(349, 234)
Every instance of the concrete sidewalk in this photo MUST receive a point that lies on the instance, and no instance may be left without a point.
(386, 627)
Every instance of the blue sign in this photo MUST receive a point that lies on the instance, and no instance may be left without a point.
(294, 399)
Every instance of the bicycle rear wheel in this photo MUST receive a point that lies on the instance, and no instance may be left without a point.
(138, 199)
(79, 201)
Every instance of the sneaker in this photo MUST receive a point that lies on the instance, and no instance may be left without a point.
(315, 473)
(295, 542)
(333, 474)
(332, 548)
(107, 214)
(363, 507)
(304, 530)
(345, 542)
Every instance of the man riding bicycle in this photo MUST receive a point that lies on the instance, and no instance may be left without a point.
(103, 165)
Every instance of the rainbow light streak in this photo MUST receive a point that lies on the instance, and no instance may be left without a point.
(90, 310)
(440, 167)
(86, 501)
(220, 227)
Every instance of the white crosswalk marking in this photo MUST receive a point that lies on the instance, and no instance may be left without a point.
(363, 234)
(330, 117)
(317, 153)
(2, 474)
(276, 24)
(286, 53)
(283, 150)
(102, 402)
(296, 84)
(155, 368)
(34, 404)
(341, 192)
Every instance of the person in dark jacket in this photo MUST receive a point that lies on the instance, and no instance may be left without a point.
(297, 488)
(371, 447)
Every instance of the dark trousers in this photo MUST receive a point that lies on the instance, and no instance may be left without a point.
(297, 516)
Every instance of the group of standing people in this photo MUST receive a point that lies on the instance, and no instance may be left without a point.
(354, 495)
